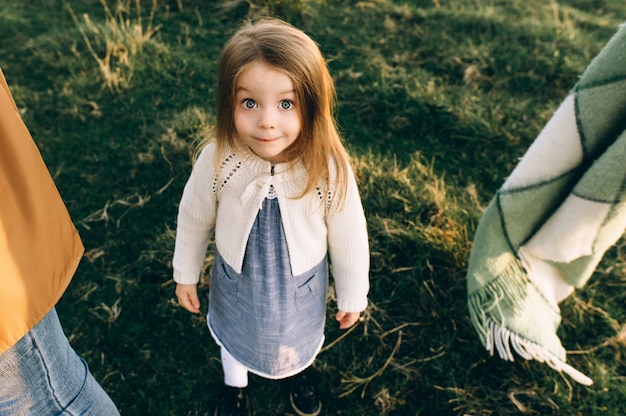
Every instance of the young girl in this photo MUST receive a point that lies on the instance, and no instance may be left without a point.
(277, 190)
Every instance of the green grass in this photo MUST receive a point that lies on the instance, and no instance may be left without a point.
(438, 100)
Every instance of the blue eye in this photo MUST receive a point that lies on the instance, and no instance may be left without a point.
(249, 103)
(286, 105)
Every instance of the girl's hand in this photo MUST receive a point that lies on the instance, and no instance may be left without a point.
(188, 297)
(347, 319)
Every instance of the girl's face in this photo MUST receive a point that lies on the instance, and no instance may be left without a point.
(266, 115)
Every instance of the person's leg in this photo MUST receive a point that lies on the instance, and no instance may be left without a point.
(42, 375)
(234, 398)
(235, 374)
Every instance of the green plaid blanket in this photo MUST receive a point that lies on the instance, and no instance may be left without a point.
(553, 219)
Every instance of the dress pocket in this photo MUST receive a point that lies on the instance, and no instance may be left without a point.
(224, 284)
(307, 293)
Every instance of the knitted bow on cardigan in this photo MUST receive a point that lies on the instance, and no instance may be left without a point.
(549, 225)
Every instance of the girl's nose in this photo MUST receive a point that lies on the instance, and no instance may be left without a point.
(268, 119)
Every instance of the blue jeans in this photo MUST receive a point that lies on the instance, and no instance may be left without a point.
(41, 375)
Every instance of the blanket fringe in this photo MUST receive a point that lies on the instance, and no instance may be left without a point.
(500, 340)
(508, 291)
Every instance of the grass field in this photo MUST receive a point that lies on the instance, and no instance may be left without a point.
(438, 100)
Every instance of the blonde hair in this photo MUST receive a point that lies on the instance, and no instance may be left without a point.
(276, 43)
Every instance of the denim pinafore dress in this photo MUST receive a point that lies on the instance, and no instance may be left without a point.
(269, 320)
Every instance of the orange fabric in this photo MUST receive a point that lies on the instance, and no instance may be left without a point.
(39, 246)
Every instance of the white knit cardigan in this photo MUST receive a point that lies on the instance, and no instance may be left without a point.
(226, 201)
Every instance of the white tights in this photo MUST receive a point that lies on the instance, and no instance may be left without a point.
(235, 374)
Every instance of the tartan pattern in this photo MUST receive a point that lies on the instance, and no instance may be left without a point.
(566, 196)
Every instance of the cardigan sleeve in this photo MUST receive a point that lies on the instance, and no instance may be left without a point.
(196, 219)
(349, 250)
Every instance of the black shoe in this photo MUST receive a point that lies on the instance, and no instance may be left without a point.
(303, 398)
(232, 402)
